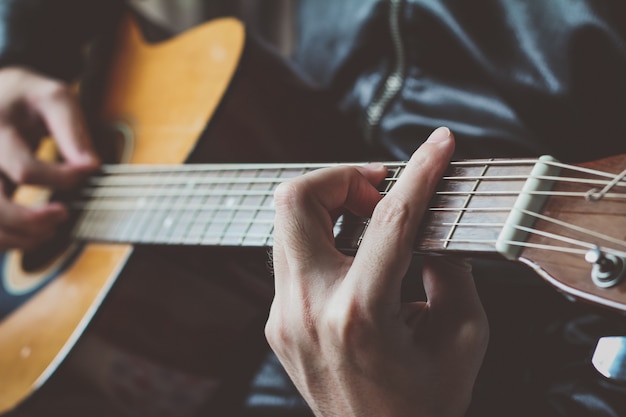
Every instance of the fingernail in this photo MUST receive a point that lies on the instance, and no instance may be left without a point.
(440, 134)
(374, 166)
(88, 159)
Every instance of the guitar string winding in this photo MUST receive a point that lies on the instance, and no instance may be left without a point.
(594, 195)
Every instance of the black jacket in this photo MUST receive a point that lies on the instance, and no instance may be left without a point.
(508, 77)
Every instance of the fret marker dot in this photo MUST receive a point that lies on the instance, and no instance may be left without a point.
(230, 202)
(25, 352)
(141, 202)
(167, 223)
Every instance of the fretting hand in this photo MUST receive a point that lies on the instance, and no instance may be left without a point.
(338, 324)
(32, 106)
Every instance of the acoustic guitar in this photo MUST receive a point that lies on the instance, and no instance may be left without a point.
(566, 222)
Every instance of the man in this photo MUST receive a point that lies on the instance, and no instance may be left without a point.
(510, 78)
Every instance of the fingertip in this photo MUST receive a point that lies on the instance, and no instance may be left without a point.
(54, 212)
(375, 167)
(440, 135)
(87, 161)
(375, 172)
(437, 148)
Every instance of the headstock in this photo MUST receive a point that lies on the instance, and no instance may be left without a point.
(580, 240)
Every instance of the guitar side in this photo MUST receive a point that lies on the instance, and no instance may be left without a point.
(160, 119)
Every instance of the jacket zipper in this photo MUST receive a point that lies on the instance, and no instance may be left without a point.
(393, 83)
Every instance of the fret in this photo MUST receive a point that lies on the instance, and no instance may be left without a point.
(125, 221)
(474, 229)
(189, 211)
(262, 223)
(216, 226)
(143, 215)
(269, 240)
(162, 217)
(84, 223)
(203, 198)
(132, 214)
(284, 174)
(393, 174)
(182, 216)
(456, 222)
(110, 224)
(241, 218)
(166, 220)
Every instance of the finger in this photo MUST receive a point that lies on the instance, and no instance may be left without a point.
(386, 249)
(20, 165)
(303, 235)
(12, 241)
(30, 222)
(61, 113)
(450, 288)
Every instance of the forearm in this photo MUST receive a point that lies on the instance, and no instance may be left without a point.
(48, 36)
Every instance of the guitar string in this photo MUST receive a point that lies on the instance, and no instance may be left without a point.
(162, 206)
(134, 193)
(266, 239)
(131, 169)
(102, 187)
(248, 222)
(561, 223)
(554, 236)
(256, 238)
(122, 181)
(155, 169)
(106, 183)
(464, 178)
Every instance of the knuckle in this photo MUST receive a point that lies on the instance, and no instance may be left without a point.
(291, 329)
(278, 332)
(288, 195)
(392, 210)
(57, 91)
(349, 325)
(271, 331)
(51, 91)
(480, 330)
(21, 173)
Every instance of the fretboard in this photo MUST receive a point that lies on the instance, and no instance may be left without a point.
(232, 205)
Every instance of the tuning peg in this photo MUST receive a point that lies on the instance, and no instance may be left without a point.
(608, 269)
(609, 358)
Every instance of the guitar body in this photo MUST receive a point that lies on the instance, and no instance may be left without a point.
(44, 312)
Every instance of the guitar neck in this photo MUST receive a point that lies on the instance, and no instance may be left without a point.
(232, 205)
